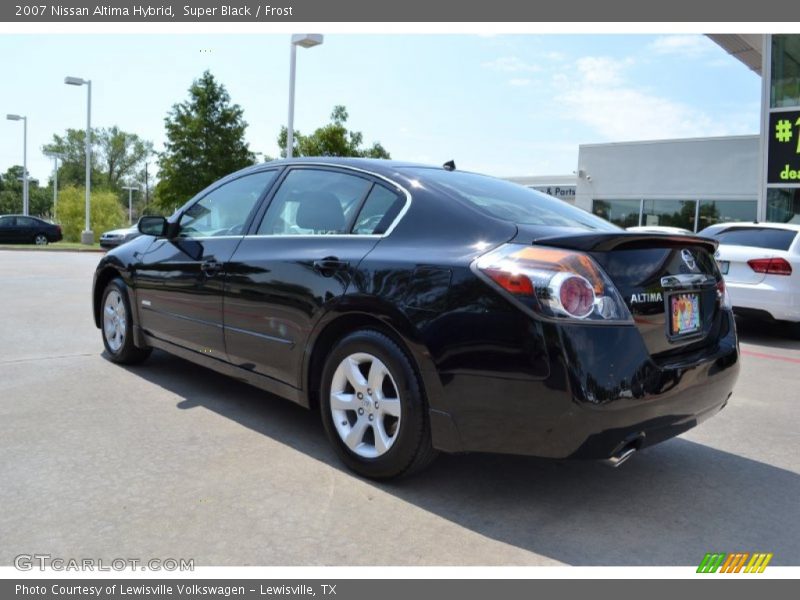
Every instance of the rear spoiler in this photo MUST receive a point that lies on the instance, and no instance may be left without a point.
(606, 241)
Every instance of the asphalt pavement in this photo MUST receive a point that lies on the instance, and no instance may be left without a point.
(169, 460)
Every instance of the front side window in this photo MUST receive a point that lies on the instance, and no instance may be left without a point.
(225, 210)
(6, 222)
(314, 202)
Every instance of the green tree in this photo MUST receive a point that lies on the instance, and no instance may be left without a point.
(72, 166)
(116, 156)
(205, 141)
(40, 199)
(332, 139)
(106, 212)
(121, 154)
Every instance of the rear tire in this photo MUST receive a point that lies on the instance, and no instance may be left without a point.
(117, 325)
(40, 239)
(373, 407)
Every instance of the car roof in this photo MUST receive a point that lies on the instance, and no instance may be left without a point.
(763, 224)
(380, 166)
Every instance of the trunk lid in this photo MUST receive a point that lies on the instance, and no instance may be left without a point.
(656, 275)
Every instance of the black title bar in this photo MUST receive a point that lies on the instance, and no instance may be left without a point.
(279, 11)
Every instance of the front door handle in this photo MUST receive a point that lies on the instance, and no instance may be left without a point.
(210, 267)
(330, 265)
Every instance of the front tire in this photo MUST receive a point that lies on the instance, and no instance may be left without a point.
(373, 407)
(117, 325)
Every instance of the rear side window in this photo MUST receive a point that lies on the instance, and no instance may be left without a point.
(379, 211)
(756, 237)
(512, 202)
(314, 202)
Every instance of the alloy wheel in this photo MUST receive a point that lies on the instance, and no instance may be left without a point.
(365, 405)
(40, 240)
(114, 320)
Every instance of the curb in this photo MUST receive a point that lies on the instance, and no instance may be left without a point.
(24, 249)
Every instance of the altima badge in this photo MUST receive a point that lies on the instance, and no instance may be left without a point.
(646, 297)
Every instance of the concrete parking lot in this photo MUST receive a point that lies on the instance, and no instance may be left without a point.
(170, 460)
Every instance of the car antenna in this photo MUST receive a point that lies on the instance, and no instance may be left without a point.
(450, 165)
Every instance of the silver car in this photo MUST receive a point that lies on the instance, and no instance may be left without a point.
(117, 237)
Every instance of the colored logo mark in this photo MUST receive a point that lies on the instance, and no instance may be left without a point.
(736, 562)
(784, 133)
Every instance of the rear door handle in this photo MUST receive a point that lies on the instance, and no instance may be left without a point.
(330, 265)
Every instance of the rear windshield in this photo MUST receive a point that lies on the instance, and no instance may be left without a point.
(510, 201)
(757, 237)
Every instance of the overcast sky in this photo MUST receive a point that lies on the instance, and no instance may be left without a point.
(504, 105)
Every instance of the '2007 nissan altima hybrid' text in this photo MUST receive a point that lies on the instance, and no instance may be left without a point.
(425, 309)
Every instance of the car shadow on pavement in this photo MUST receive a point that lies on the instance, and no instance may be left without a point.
(667, 506)
(768, 333)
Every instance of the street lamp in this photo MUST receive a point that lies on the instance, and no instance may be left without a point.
(24, 159)
(130, 189)
(56, 157)
(87, 237)
(304, 40)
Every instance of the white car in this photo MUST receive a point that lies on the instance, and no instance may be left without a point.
(660, 229)
(761, 266)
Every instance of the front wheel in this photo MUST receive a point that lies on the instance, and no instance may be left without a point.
(117, 325)
(373, 407)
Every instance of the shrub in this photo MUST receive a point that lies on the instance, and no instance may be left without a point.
(106, 212)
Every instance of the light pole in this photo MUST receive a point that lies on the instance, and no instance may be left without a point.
(130, 189)
(56, 157)
(24, 159)
(87, 237)
(304, 40)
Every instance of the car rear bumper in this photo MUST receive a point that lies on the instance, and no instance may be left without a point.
(780, 304)
(603, 393)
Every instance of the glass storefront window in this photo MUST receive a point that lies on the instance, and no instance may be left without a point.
(785, 80)
(624, 213)
(726, 211)
(669, 213)
(783, 205)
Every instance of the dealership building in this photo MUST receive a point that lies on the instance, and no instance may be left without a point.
(694, 183)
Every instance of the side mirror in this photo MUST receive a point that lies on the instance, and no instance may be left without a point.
(153, 225)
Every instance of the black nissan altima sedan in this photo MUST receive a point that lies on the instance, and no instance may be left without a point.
(425, 309)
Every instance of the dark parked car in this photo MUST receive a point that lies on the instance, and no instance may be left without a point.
(117, 237)
(426, 309)
(21, 229)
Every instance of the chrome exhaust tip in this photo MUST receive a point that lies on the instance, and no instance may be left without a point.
(616, 460)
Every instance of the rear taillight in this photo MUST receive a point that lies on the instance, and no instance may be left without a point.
(723, 295)
(554, 283)
(771, 266)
